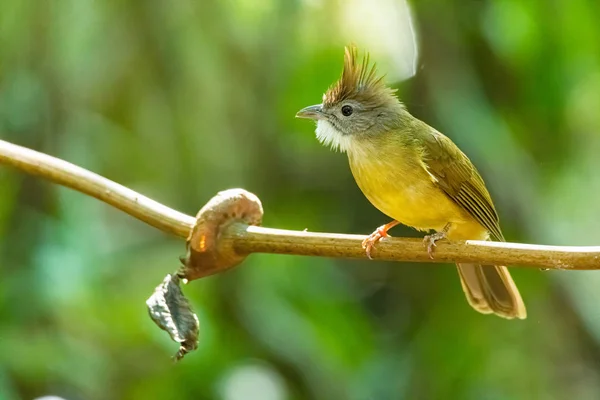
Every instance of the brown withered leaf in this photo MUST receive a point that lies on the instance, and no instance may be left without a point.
(171, 311)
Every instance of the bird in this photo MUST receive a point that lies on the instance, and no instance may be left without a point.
(413, 174)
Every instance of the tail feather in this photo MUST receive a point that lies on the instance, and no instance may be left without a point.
(490, 289)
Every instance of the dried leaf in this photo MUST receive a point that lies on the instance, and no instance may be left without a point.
(171, 311)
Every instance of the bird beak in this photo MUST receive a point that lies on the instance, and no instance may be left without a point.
(311, 112)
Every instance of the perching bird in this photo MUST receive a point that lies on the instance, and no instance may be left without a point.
(415, 175)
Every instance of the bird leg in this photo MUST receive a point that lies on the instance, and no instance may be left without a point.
(429, 240)
(369, 243)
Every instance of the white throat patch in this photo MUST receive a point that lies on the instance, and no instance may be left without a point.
(329, 136)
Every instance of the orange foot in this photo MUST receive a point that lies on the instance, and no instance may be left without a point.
(429, 240)
(369, 243)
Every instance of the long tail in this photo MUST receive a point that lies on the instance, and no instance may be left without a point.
(490, 289)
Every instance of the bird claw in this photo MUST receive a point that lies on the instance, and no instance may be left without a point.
(429, 241)
(370, 241)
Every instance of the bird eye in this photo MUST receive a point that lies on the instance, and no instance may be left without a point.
(347, 110)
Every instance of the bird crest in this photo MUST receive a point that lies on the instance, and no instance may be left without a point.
(359, 81)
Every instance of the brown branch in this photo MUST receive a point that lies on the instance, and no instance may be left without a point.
(84, 181)
(256, 239)
(245, 239)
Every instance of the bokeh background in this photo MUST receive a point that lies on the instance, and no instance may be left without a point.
(181, 99)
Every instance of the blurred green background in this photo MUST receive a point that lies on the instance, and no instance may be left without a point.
(181, 99)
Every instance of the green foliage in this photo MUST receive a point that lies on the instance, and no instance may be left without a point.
(181, 99)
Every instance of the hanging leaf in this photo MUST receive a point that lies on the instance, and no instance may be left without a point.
(171, 311)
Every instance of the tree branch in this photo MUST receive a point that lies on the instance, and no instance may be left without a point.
(84, 181)
(246, 239)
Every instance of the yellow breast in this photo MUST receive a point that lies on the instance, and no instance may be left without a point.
(394, 179)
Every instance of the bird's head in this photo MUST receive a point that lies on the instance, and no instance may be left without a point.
(358, 106)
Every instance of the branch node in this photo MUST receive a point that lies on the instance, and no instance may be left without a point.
(206, 253)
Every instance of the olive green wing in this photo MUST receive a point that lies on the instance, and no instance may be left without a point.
(452, 170)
